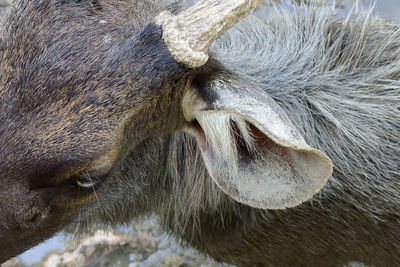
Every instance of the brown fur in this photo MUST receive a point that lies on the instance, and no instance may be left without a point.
(76, 99)
(71, 101)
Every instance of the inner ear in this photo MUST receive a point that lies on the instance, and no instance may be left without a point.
(252, 151)
(250, 146)
(248, 142)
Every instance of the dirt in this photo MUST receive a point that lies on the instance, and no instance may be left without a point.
(145, 245)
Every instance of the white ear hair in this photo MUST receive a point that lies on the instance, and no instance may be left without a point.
(253, 152)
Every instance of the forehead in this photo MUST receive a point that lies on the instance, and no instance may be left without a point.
(52, 47)
(54, 80)
(51, 55)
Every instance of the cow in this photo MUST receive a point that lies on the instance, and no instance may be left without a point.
(274, 143)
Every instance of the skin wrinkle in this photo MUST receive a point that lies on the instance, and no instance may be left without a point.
(337, 79)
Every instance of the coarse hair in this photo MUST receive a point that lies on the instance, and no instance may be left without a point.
(337, 78)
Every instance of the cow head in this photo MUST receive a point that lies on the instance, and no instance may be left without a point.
(83, 83)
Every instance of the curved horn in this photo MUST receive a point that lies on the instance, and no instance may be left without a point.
(190, 34)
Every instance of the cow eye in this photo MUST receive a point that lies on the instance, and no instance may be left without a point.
(86, 182)
(89, 180)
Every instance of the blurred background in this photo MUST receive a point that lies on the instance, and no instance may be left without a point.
(143, 244)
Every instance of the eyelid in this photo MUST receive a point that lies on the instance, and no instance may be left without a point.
(87, 181)
(94, 173)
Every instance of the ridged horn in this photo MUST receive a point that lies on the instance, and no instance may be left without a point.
(190, 34)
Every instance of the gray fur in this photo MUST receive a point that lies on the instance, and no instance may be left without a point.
(338, 80)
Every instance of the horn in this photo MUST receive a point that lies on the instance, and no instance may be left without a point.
(190, 34)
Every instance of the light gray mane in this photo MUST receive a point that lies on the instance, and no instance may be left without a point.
(338, 79)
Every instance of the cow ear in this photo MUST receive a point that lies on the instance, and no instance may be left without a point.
(251, 149)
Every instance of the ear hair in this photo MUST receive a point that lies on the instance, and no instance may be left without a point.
(250, 147)
(222, 131)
